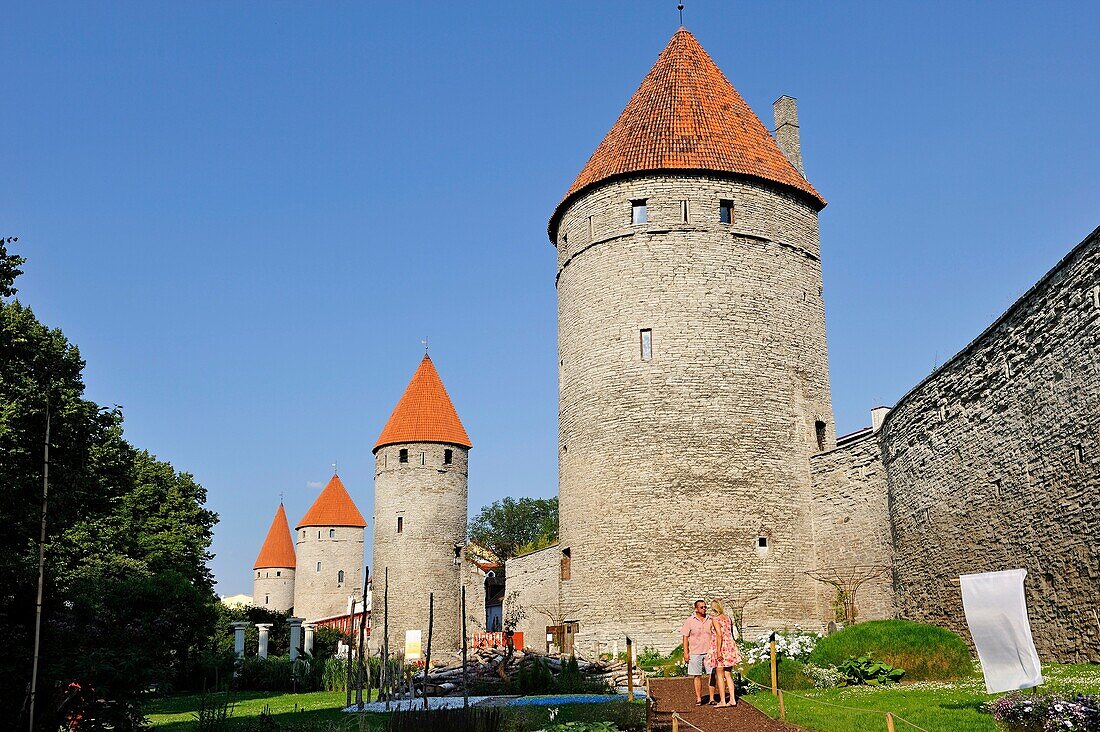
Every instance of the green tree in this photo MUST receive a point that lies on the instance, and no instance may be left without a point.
(508, 526)
(9, 266)
(128, 595)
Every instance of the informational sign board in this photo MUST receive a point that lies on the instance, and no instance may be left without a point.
(412, 646)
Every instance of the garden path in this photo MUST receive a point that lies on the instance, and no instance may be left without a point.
(677, 695)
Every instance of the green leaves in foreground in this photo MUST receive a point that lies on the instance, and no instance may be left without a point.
(865, 670)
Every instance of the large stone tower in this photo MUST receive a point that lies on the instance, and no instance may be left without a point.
(330, 554)
(273, 584)
(693, 367)
(420, 473)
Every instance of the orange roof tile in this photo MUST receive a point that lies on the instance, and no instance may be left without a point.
(424, 413)
(687, 116)
(333, 507)
(278, 548)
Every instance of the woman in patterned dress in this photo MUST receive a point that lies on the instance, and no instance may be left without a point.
(724, 653)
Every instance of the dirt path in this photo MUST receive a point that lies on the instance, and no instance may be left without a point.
(679, 696)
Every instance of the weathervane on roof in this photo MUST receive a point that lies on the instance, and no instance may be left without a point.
(281, 496)
(334, 471)
(680, 7)
(425, 342)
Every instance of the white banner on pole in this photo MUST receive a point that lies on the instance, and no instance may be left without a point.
(996, 613)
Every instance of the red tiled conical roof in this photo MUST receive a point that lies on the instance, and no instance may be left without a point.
(278, 548)
(687, 116)
(333, 507)
(424, 413)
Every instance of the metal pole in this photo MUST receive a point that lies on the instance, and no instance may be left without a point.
(428, 650)
(41, 562)
(465, 685)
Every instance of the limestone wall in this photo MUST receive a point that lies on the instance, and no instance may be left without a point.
(533, 584)
(323, 553)
(273, 588)
(851, 522)
(994, 463)
(429, 496)
(671, 467)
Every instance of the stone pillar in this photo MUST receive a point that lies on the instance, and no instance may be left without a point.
(263, 628)
(295, 637)
(238, 637)
(308, 646)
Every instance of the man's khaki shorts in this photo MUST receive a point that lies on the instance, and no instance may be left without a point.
(695, 664)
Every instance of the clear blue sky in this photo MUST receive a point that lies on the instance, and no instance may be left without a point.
(247, 215)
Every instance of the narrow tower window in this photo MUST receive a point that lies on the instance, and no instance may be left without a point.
(565, 238)
(340, 576)
(761, 542)
(448, 456)
(423, 458)
(400, 524)
(318, 534)
(318, 566)
(725, 211)
(819, 428)
(267, 599)
(684, 212)
(332, 533)
(638, 212)
(402, 455)
(278, 573)
(566, 564)
(590, 237)
(646, 342)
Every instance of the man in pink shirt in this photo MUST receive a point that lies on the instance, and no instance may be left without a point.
(696, 631)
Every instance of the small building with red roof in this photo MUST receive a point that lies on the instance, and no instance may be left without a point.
(273, 571)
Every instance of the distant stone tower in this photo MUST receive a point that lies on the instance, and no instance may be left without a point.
(420, 473)
(330, 554)
(273, 585)
(694, 381)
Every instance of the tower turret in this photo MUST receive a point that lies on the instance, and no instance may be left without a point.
(420, 493)
(693, 367)
(273, 583)
(330, 554)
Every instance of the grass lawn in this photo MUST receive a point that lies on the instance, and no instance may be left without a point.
(321, 711)
(955, 706)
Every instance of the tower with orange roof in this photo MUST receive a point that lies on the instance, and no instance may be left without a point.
(694, 379)
(420, 494)
(330, 554)
(273, 581)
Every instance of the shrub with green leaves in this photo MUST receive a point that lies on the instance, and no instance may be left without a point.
(926, 652)
(582, 727)
(866, 670)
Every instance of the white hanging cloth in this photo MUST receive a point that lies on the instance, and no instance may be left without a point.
(996, 613)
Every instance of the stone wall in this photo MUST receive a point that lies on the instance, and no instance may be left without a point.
(672, 466)
(994, 463)
(851, 522)
(533, 584)
(429, 496)
(319, 593)
(273, 588)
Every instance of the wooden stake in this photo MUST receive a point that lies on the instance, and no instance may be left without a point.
(675, 723)
(362, 641)
(465, 685)
(782, 708)
(775, 678)
(386, 639)
(629, 669)
(351, 626)
(889, 722)
(428, 649)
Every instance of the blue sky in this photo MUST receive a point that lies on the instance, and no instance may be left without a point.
(248, 215)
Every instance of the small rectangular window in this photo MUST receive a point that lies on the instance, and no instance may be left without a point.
(332, 533)
(762, 542)
(403, 455)
(638, 212)
(725, 211)
(590, 237)
(400, 524)
(318, 566)
(819, 428)
(278, 573)
(448, 457)
(423, 458)
(646, 342)
(566, 564)
(684, 212)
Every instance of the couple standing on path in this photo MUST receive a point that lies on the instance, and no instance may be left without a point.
(709, 646)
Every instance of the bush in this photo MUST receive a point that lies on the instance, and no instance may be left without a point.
(865, 670)
(797, 644)
(279, 673)
(790, 674)
(926, 652)
(475, 719)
